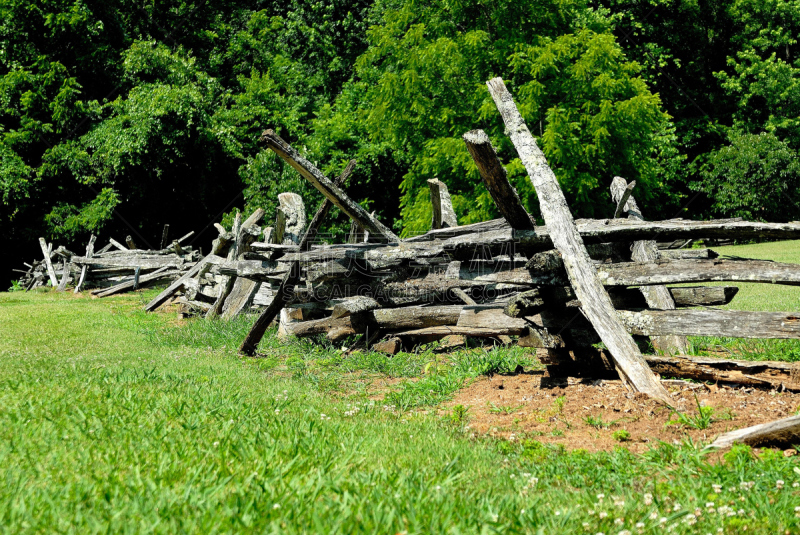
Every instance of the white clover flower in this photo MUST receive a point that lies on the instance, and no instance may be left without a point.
(619, 521)
(710, 505)
(624, 532)
(796, 484)
(779, 484)
(601, 496)
(277, 411)
(662, 520)
(276, 506)
(602, 514)
(522, 512)
(648, 498)
(653, 515)
(717, 488)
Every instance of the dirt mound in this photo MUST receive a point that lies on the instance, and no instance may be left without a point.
(599, 415)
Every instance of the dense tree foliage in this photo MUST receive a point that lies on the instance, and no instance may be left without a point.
(117, 117)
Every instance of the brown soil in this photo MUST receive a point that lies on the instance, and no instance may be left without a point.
(523, 406)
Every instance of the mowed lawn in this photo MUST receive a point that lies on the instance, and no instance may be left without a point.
(112, 420)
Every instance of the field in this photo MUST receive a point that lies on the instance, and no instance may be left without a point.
(112, 420)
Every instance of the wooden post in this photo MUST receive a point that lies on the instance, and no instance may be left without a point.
(443, 214)
(129, 242)
(50, 271)
(331, 192)
(164, 237)
(286, 289)
(291, 204)
(622, 202)
(596, 304)
(496, 180)
(227, 286)
(136, 278)
(647, 251)
(84, 268)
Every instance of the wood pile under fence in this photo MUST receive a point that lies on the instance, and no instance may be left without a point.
(113, 269)
(563, 287)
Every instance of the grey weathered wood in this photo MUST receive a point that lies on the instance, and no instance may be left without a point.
(136, 275)
(782, 433)
(443, 213)
(118, 245)
(354, 305)
(50, 271)
(176, 246)
(280, 225)
(461, 294)
(130, 243)
(596, 304)
(227, 285)
(185, 237)
(621, 198)
(161, 298)
(326, 187)
(105, 248)
(688, 254)
(357, 233)
(657, 297)
(66, 276)
(269, 235)
(498, 235)
(286, 290)
(496, 180)
(241, 297)
(292, 206)
(159, 274)
(164, 236)
(131, 261)
(712, 322)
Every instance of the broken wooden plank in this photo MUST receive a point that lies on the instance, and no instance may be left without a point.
(326, 187)
(443, 213)
(50, 271)
(781, 433)
(159, 274)
(657, 297)
(132, 262)
(688, 254)
(596, 304)
(118, 245)
(85, 268)
(185, 237)
(354, 305)
(161, 298)
(496, 180)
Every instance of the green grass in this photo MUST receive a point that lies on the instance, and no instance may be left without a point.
(758, 297)
(112, 420)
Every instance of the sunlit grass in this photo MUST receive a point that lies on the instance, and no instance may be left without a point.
(113, 420)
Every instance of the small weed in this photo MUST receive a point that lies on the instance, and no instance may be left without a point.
(503, 409)
(16, 286)
(702, 420)
(558, 404)
(459, 415)
(621, 435)
(597, 422)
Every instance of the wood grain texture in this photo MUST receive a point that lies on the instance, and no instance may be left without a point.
(50, 271)
(496, 180)
(443, 214)
(596, 304)
(782, 433)
(168, 292)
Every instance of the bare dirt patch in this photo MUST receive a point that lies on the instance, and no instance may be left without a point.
(582, 413)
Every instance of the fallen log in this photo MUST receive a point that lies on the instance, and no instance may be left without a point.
(590, 362)
(781, 433)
